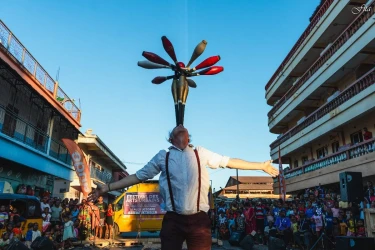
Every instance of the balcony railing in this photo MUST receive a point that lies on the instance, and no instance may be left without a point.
(337, 44)
(300, 41)
(355, 88)
(24, 132)
(103, 176)
(351, 152)
(24, 57)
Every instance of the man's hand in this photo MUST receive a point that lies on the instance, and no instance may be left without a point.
(100, 190)
(269, 169)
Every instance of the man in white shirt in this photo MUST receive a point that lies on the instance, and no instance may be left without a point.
(183, 184)
(45, 204)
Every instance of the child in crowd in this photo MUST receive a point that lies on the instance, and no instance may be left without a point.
(29, 235)
(17, 231)
(343, 226)
(351, 225)
(361, 229)
(4, 241)
(68, 233)
(317, 218)
(46, 219)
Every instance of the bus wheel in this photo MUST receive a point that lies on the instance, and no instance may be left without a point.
(116, 230)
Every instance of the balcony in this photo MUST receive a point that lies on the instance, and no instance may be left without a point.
(301, 40)
(324, 57)
(351, 91)
(356, 158)
(27, 134)
(103, 176)
(14, 47)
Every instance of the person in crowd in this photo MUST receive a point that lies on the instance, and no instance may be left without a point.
(102, 206)
(3, 216)
(46, 219)
(36, 232)
(109, 221)
(56, 210)
(44, 204)
(68, 232)
(367, 135)
(29, 235)
(249, 214)
(85, 218)
(361, 232)
(240, 222)
(4, 241)
(259, 217)
(303, 231)
(17, 230)
(74, 212)
(9, 230)
(351, 224)
(283, 227)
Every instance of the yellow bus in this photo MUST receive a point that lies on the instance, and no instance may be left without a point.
(141, 208)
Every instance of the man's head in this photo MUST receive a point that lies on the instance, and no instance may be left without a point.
(179, 137)
(100, 199)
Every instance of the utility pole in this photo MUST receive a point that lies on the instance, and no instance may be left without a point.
(238, 192)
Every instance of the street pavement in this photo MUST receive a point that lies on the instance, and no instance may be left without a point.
(156, 246)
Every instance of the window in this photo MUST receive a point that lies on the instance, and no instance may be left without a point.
(321, 152)
(356, 137)
(296, 164)
(335, 146)
(304, 159)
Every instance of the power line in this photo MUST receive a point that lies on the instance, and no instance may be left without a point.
(135, 163)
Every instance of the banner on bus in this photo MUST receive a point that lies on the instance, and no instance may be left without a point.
(144, 203)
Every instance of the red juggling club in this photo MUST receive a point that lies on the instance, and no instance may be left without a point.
(207, 63)
(168, 47)
(155, 58)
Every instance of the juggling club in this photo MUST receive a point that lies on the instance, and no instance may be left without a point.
(151, 65)
(197, 52)
(207, 63)
(181, 86)
(155, 58)
(174, 94)
(168, 47)
(161, 79)
(209, 71)
(184, 98)
(191, 83)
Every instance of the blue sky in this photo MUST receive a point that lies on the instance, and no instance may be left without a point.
(97, 45)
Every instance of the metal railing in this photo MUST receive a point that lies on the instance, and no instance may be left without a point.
(348, 153)
(337, 44)
(22, 131)
(354, 89)
(300, 41)
(103, 176)
(26, 133)
(23, 56)
(60, 152)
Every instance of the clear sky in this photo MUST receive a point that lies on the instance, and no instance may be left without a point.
(97, 45)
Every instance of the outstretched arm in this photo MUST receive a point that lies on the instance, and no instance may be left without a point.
(245, 165)
(123, 183)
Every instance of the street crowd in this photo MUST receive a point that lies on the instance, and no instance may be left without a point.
(298, 222)
(64, 221)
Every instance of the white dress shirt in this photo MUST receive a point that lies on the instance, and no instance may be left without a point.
(183, 172)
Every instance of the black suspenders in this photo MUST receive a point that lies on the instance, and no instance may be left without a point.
(170, 185)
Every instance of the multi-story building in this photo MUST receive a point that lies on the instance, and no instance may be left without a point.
(104, 165)
(248, 187)
(35, 114)
(323, 98)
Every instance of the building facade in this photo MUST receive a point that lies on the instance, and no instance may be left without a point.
(248, 187)
(35, 114)
(322, 98)
(104, 166)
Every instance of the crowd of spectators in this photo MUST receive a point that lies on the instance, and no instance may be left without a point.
(299, 222)
(63, 222)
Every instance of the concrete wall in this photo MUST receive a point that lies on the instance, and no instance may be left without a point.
(333, 11)
(329, 175)
(351, 48)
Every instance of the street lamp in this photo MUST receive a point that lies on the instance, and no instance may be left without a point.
(180, 80)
